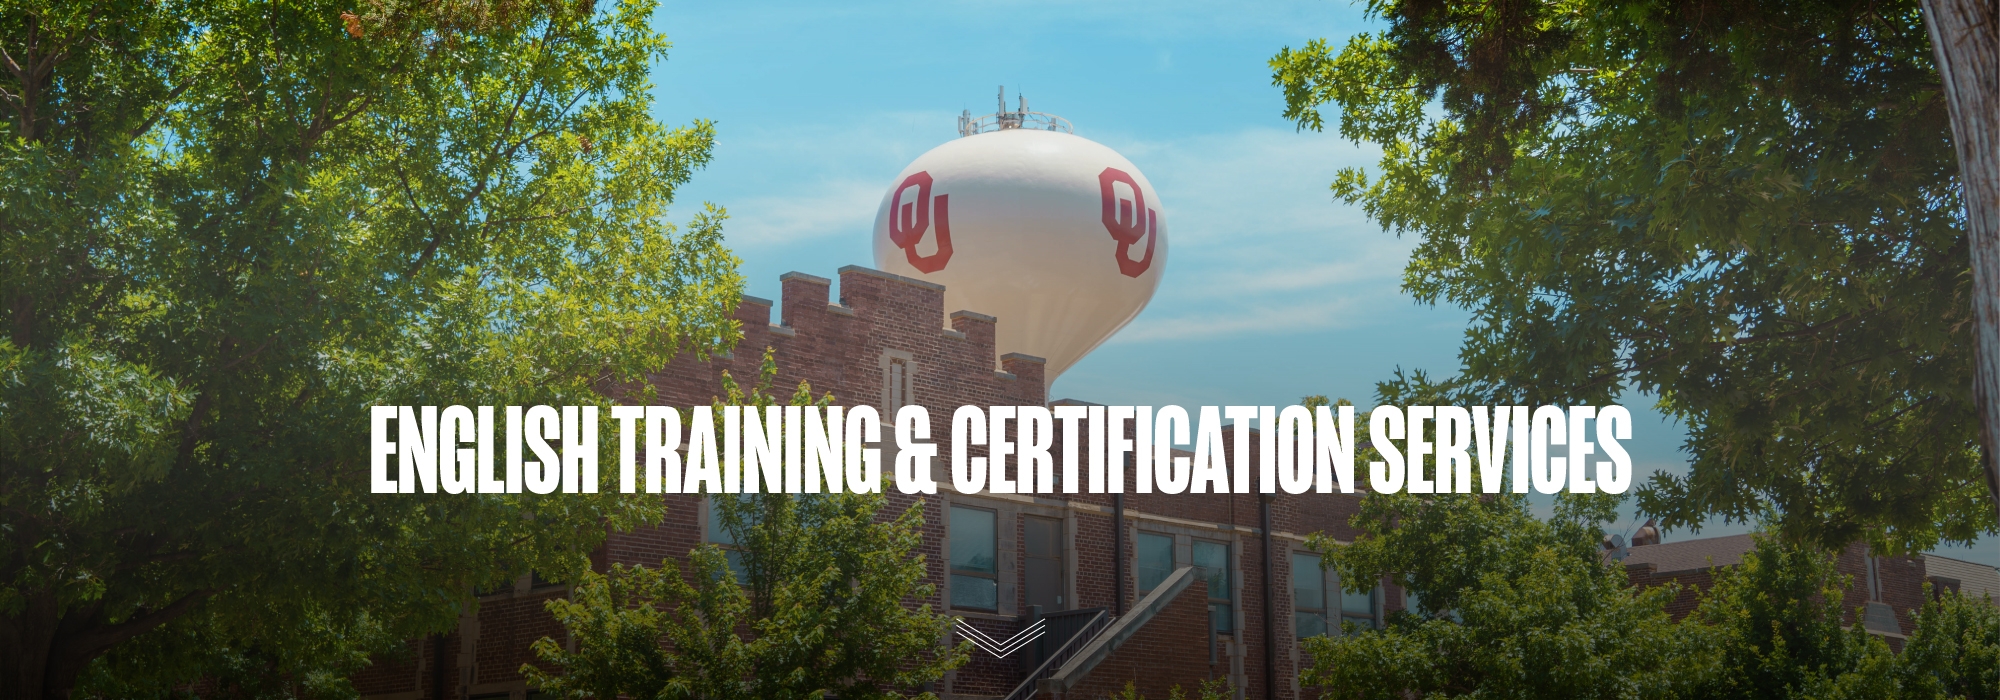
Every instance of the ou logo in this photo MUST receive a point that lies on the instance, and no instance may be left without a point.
(1128, 220)
(909, 222)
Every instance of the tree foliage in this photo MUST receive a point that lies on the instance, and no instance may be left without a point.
(1955, 650)
(1775, 618)
(1212, 689)
(817, 601)
(1511, 606)
(1747, 210)
(230, 227)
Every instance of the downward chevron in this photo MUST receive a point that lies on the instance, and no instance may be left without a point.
(999, 648)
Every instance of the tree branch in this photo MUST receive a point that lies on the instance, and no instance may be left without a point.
(87, 644)
(147, 125)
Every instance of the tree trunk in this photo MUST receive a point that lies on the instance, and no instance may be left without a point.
(25, 641)
(45, 649)
(1966, 37)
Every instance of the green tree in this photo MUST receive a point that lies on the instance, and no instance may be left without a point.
(1512, 606)
(1212, 689)
(1775, 618)
(1747, 210)
(819, 601)
(230, 227)
(1954, 651)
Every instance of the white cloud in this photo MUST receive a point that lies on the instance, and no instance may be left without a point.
(811, 180)
(1259, 246)
(1253, 321)
(1223, 188)
(827, 209)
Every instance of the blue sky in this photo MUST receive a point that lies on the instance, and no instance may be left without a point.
(1273, 290)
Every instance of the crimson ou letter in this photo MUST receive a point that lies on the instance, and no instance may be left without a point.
(908, 222)
(1128, 220)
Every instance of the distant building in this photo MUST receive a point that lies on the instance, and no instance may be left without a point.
(1887, 591)
(1971, 579)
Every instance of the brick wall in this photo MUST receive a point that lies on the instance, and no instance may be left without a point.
(840, 346)
(391, 674)
(1170, 650)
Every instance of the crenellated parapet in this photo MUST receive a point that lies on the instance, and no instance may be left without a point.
(883, 342)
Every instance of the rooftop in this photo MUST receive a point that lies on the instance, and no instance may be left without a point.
(1974, 579)
(1692, 555)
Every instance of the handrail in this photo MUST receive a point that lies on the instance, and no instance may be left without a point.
(1062, 624)
(1087, 658)
(1091, 629)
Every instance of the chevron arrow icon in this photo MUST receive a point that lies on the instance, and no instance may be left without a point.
(1000, 649)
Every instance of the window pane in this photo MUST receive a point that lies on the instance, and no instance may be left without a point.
(972, 543)
(1156, 559)
(975, 592)
(736, 566)
(1308, 583)
(1213, 558)
(1358, 603)
(1308, 624)
(717, 531)
(1220, 619)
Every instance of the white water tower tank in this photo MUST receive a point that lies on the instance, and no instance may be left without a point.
(1060, 238)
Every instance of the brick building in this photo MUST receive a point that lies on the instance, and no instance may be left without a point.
(1887, 591)
(1192, 587)
(1157, 589)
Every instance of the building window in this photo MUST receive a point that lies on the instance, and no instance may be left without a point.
(1874, 578)
(975, 573)
(1156, 559)
(1359, 608)
(1308, 595)
(507, 586)
(1043, 556)
(1211, 560)
(720, 535)
(898, 376)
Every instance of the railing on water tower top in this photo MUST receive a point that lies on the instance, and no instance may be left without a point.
(1018, 118)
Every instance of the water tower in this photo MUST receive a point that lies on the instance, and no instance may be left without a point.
(1060, 238)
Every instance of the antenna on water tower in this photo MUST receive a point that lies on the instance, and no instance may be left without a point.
(1003, 119)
